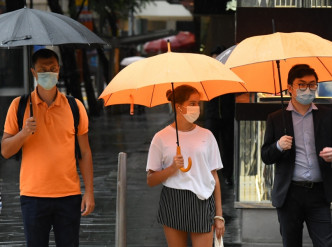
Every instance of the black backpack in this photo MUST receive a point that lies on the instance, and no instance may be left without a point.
(76, 115)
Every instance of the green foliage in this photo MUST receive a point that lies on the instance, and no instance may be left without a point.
(120, 8)
(113, 10)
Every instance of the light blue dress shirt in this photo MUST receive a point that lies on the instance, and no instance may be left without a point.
(306, 159)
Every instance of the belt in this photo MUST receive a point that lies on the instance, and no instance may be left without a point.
(307, 184)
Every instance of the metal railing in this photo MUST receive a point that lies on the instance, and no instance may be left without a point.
(321, 3)
(286, 3)
(303, 3)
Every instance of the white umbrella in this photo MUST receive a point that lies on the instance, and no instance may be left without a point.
(129, 60)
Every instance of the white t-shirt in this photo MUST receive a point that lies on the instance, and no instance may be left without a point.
(200, 145)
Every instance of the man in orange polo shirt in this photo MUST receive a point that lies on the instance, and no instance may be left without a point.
(49, 181)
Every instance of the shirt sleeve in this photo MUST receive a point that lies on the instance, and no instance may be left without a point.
(278, 146)
(155, 156)
(83, 126)
(11, 125)
(215, 162)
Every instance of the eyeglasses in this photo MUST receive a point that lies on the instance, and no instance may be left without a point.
(312, 86)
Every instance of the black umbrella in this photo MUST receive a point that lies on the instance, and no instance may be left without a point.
(27, 27)
(35, 27)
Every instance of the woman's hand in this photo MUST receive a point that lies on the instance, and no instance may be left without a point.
(219, 226)
(157, 177)
(178, 161)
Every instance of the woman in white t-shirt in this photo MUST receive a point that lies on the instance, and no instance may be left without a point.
(190, 202)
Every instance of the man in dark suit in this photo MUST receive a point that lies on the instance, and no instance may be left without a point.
(299, 143)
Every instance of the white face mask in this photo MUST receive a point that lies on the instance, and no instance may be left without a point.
(47, 80)
(305, 97)
(192, 113)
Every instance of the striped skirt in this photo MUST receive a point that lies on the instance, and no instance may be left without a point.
(182, 210)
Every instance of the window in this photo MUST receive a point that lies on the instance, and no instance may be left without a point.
(285, 3)
(321, 3)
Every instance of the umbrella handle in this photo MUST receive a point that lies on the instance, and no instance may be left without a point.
(178, 151)
(131, 105)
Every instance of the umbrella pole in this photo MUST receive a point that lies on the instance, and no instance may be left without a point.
(30, 83)
(176, 122)
(280, 87)
(282, 99)
(178, 149)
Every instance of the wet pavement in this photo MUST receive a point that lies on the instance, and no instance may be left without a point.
(110, 134)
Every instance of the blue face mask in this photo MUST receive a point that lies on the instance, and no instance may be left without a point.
(47, 80)
(305, 97)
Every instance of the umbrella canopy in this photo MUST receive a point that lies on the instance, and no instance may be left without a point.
(255, 59)
(181, 41)
(35, 27)
(146, 82)
(27, 27)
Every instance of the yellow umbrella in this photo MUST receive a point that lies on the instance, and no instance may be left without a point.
(255, 59)
(146, 82)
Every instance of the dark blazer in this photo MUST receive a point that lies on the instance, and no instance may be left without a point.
(285, 161)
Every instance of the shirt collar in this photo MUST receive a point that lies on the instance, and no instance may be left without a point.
(290, 107)
(38, 100)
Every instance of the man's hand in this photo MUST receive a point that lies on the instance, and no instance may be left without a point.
(30, 126)
(285, 142)
(326, 154)
(88, 204)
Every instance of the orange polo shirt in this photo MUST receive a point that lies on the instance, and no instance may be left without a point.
(48, 167)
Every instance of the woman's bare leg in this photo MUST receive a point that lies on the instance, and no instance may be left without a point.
(175, 238)
(202, 239)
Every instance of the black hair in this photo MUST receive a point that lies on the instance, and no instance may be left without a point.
(43, 53)
(299, 71)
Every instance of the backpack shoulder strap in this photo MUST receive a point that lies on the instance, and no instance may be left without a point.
(76, 115)
(20, 116)
(74, 108)
(21, 110)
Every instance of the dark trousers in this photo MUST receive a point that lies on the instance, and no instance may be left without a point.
(41, 214)
(305, 205)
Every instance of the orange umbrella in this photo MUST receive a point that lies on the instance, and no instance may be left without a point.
(255, 59)
(263, 61)
(146, 82)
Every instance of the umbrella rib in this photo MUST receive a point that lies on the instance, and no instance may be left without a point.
(154, 86)
(324, 66)
(204, 91)
(13, 37)
(274, 79)
(108, 99)
(244, 87)
(51, 38)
